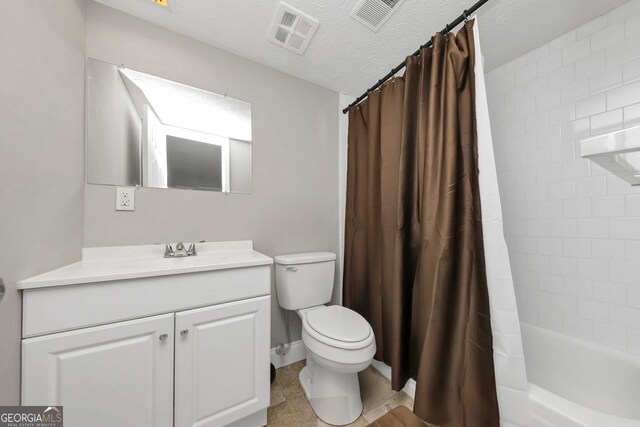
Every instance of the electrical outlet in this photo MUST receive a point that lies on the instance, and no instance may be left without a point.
(125, 198)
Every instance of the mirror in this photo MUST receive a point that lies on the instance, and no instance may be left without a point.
(152, 132)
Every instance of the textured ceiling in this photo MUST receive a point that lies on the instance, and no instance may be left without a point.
(346, 56)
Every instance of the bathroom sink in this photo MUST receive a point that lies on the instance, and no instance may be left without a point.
(128, 262)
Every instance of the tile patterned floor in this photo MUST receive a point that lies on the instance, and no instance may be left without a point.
(290, 408)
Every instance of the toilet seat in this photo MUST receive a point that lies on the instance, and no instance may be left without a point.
(338, 327)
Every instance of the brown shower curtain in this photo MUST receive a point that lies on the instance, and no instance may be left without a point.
(414, 257)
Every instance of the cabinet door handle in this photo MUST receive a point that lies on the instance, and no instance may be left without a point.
(163, 337)
(184, 332)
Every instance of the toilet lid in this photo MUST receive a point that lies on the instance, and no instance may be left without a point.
(339, 323)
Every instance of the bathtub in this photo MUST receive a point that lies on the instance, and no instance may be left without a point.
(577, 383)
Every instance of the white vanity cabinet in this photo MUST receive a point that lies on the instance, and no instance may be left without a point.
(224, 345)
(183, 349)
(118, 374)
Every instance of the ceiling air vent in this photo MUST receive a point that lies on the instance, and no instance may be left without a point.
(374, 13)
(292, 29)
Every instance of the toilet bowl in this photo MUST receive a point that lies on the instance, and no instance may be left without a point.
(339, 342)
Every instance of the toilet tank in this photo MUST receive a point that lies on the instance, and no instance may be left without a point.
(304, 280)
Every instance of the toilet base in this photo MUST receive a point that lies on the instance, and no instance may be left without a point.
(334, 396)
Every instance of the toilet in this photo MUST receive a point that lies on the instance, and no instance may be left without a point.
(339, 342)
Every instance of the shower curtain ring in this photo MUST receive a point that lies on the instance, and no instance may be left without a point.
(465, 13)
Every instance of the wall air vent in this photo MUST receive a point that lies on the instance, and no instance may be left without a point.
(292, 29)
(374, 13)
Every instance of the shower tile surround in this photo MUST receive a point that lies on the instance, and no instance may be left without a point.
(573, 229)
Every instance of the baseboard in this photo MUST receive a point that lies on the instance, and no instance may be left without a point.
(410, 388)
(385, 370)
(295, 354)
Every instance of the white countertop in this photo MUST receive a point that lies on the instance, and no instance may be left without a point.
(130, 262)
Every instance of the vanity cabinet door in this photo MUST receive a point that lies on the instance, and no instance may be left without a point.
(222, 363)
(119, 374)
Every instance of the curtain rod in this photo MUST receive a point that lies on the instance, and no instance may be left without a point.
(455, 23)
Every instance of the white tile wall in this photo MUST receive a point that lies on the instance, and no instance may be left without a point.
(573, 230)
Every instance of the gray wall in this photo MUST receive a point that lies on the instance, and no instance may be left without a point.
(41, 155)
(294, 202)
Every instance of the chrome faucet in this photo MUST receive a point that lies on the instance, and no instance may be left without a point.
(192, 248)
(180, 250)
(168, 250)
